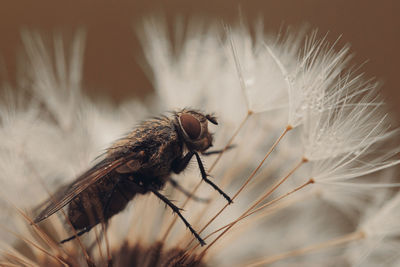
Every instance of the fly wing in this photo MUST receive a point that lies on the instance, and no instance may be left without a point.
(67, 193)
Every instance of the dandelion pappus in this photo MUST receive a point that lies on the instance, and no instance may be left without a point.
(139, 163)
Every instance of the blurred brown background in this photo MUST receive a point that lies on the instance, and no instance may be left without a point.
(111, 66)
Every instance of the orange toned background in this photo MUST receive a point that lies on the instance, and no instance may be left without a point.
(111, 67)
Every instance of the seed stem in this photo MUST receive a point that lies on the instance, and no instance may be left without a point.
(355, 236)
(98, 242)
(104, 228)
(34, 245)
(22, 260)
(39, 178)
(269, 203)
(238, 66)
(248, 180)
(262, 198)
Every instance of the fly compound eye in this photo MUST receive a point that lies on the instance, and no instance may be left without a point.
(190, 125)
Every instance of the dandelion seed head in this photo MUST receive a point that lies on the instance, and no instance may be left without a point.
(335, 122)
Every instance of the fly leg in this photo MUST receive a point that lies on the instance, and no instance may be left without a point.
(204, 177)
(85, 230)
(180, 164)
(177, 211)
(212, 152)
(176, 185)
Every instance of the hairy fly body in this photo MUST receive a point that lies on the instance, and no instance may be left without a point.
(140, 163)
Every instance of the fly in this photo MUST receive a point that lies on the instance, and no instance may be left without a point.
(140, 163)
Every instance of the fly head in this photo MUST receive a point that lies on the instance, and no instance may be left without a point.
(193, 127)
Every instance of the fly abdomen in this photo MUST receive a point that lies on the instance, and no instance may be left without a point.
(99, 203)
